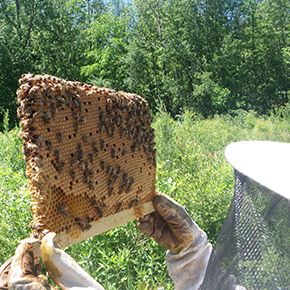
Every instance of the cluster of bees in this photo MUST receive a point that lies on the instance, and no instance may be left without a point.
(135, 125)
(85, 164)
(114, 173)
(78, 132)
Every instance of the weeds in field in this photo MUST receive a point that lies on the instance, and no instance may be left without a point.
(191, 169)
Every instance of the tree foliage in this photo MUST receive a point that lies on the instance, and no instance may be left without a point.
(108, 39)
(210, 56)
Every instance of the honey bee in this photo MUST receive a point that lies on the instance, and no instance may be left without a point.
(83, 223)
(46, 117)
(40, 185)
(60, 101)
(85, 139)
(124, 182)
(91, 157)
(48, 145)
(134, 202)
(38, 161)
(79, 152)
(94, 147)
(59, 166)
(101, 128)
(118, 206)
(123, 132)
(110, 131)
(75, 102)
(91, 185)
(58, 136)
(56, 154)
(123, 152)
(75, 120)
(117, 170)
(102, 164)
(109, 169)
(129, 184)
(82, 119)
(62, 208)
(102, 144)
(132, 133)
(72, 173)
(99, 212)
(133, 147)
(88, 173)
(52, 110)
(113, 153)
(140, 190)
(146, 148)
(111, 180)
(118, 120)
(110, 190)
(31, 146)
(102, 117)
(36, 226)
(109, 102)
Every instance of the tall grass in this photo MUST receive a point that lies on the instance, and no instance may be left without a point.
(191, 169)
(14, 198)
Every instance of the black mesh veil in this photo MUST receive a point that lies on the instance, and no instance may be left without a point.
(253, 248)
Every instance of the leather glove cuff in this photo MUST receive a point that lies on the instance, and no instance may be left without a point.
(187, 268)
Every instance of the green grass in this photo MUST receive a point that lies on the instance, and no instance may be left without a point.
(191, 169)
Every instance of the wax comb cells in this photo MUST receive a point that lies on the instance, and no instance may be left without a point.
(89, 152)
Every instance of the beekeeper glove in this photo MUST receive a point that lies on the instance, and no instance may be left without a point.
(22, 271)
(188, 248)
(4, 270)
(63, 269)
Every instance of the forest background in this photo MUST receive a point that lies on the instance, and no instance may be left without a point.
(212, 71)
(210, 56)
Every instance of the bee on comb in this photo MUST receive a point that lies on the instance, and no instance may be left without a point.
(89, 150)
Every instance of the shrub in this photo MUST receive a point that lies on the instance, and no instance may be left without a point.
(191, 169)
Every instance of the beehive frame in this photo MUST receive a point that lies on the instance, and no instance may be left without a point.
(90, 156)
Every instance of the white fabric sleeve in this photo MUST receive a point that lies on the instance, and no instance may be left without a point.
(63, 269)
(187, 268)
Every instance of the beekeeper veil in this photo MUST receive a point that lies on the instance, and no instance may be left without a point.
(253, 248)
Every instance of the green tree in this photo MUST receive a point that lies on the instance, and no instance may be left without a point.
(42, 37)
(251, 61)
(58, 40)
(146, 67)
(17, 20)
(105, 56)
(210, 56)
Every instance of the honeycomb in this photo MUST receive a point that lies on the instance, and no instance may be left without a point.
(89, 154)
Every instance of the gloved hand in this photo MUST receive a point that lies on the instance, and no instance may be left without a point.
(188, 248)
(63, 269)
(170, 225)
(22, 271)
(4, 270)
